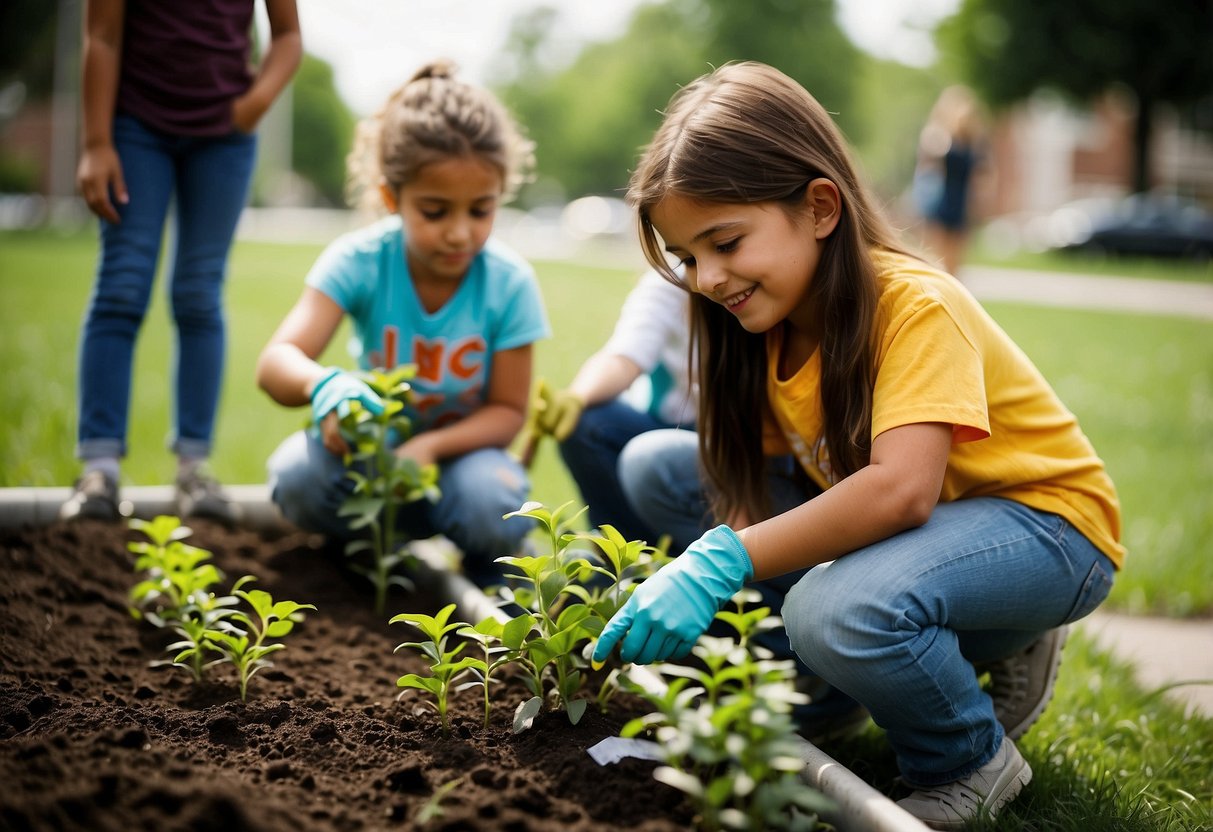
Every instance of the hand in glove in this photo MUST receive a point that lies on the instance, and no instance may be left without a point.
(557, 412)
(336, 389)
(668, 613)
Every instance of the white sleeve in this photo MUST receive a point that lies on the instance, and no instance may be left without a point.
(653, 315)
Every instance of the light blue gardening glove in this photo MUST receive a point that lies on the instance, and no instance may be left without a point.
(336, 389)
(668, 613)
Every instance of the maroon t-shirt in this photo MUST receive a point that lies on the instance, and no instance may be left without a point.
(183, 61)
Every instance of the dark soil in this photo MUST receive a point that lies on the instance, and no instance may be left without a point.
(92, 736)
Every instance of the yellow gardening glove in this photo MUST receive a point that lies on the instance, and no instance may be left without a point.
(557, 412)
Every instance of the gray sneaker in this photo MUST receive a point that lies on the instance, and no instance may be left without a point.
(1021, 685)
(199, 494)
(94, 496)
(984, 792)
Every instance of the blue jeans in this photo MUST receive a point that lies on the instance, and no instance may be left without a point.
(898, 625)
(591, 454)
(309, 484)
(208, 178)
(663, 482)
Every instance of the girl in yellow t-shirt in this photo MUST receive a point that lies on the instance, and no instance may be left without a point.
(957, 518)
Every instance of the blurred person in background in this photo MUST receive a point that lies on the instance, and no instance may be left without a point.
(951, 162)
(639, 381)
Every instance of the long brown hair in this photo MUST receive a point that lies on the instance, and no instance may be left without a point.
(747, 133)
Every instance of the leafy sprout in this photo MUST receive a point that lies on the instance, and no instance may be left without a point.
(446, 667)
(243, 638)
(383, 481)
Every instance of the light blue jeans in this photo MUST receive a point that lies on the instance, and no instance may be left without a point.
(898, 625)
(207, 181)
(309, 484)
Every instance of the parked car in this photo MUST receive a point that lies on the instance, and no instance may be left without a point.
(1142, 224)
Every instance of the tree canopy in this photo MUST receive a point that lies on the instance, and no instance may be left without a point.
(1161, 51)
(591, 119)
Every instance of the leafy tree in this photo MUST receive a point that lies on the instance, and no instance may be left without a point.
(803, 39)
(27, 44)
(1161, 51)
(591, 118)
(322, 127)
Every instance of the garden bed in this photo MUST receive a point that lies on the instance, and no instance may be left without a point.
(92, 736)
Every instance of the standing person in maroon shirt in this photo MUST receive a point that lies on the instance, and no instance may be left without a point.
(170, 105)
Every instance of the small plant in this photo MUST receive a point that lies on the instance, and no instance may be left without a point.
(569, 597)
(498, 643)
(382, 480)
(566, 596)
(726, 729)
(432, 809)
(176, 592)
(446, 667)
(242, 638)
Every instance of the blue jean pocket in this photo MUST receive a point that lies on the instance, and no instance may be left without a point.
(1094, 590)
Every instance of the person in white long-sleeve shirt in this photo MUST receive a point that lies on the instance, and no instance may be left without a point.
(639, 381)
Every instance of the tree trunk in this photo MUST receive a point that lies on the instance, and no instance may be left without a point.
(1143, 129)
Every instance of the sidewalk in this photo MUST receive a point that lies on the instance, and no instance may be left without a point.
(1163, 651)
(1161, 297)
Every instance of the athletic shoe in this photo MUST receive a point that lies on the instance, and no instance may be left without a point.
(1021, 685)
(984, 792)
(94, 496)
(199, 494)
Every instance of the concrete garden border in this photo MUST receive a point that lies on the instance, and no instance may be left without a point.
(861, 808)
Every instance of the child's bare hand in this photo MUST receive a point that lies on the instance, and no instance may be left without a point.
(330, 434)
(418, 449)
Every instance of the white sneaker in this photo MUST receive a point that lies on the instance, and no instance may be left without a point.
(984, 792)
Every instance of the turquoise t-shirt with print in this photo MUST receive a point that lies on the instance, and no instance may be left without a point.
(498, 306)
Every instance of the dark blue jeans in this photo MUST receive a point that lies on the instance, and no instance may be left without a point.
(207, 180)
(591, 454)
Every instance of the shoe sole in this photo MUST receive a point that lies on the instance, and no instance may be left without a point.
(1058, 638)
(1009, 784)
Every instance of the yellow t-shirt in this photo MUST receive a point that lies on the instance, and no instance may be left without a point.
(941, 358)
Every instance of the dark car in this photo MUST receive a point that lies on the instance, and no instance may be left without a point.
(1142, 224)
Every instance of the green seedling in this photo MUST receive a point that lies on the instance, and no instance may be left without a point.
(242, 638)
(175, 572)
(567, 596)
(494, 639)
(432, 810)
(446, 667)
(562, 622)
(175, 592)
(570, 594)
(726, 729)
(383, 481)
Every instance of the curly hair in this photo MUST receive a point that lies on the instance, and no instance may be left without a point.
(434, 117)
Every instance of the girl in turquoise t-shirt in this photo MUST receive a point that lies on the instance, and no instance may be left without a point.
(424, 286)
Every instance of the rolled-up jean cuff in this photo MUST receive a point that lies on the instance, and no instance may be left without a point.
(191, 448)
(100, 449)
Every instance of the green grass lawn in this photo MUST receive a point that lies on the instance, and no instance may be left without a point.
(1142, 387)
(1107, 755)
